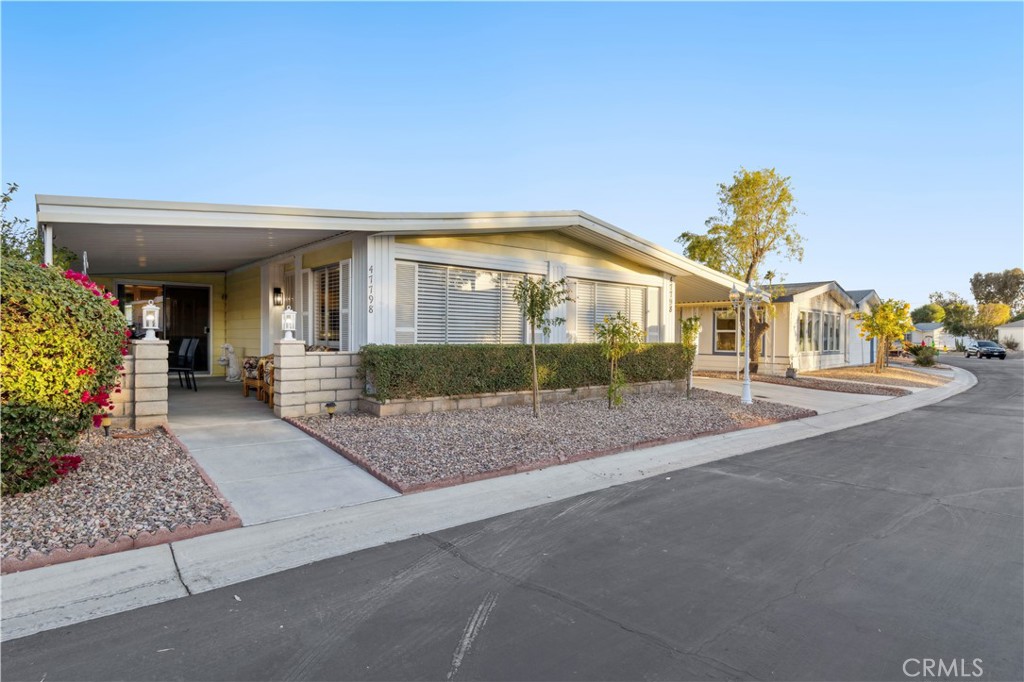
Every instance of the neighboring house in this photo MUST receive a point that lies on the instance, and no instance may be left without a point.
(225, 273)
(1011, 330)
(930, 334)
(861, 351)
(810, 330)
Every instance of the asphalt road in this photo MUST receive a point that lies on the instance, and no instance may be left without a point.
(851, 556)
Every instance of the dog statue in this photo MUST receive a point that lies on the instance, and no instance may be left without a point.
(230, 360)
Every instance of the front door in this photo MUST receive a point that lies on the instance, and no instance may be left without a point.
(187, 314)
(184, 313)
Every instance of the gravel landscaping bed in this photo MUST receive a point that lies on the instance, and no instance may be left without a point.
(125, 487)
(414, 451)
(890, 376)
(811, 382)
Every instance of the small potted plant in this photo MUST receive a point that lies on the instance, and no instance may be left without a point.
(791, 370)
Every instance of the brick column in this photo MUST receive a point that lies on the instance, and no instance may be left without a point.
(123, 414)
(150, 383)
(289, 378)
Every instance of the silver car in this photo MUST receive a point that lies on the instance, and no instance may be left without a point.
(985, 349)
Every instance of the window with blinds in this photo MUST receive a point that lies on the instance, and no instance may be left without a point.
(443, 304)
(331, 306)
(595, 300)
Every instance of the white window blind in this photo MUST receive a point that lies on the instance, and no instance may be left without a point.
(596, 300)
(332, 316)
(444, 304)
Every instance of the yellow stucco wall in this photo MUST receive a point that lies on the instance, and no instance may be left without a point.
(242, 320)
(531, 246)
(215, 280)
(327, 255)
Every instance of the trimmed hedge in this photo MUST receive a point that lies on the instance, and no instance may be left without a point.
(423, 371)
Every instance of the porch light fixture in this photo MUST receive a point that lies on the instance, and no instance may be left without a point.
(288, 323)
(150, 320)
(330, 409)
(278, 296)
(105, 423)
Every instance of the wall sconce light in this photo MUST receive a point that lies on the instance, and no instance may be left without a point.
(278, 296)
(288, 323)
(330, 407)
(150, 320)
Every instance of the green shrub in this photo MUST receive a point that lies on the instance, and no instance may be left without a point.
(61, 343)
(422, 371)
(923, 355)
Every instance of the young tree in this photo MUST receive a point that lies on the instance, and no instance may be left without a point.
(755, 219)
(888, 321)
(690, 332)
(929, 312)
(990, 316)
(536, 298)
(618, 338)
(1000, 287)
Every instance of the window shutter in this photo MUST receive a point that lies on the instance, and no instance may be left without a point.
(345, 286)
(328, 309)
(585, 312)
(405, 302)
(512, 322)
(431, 303)
(474, 306)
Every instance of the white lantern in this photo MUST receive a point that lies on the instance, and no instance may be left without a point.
(150, 320)
(288, 323)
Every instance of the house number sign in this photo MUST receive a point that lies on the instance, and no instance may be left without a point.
(369, 290)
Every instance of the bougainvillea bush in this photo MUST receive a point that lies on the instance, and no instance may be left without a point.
(62, 339)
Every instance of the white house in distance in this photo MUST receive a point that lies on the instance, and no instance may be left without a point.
(1011, 331)
(930, 334)
(861, 351)
(810, 330)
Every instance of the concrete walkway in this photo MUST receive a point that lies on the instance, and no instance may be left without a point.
(60, 595)
(268, 469)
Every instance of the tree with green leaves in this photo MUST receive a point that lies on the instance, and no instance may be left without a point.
(888, 321)
(990, 316)
(929, 312)
(536, 299)
(19, 240)
(756, 214)
(618, 338)
(958, 318)
(1000, 287)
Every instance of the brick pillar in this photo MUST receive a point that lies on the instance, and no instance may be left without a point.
(289, 378)
(123, 414)
(150, 383)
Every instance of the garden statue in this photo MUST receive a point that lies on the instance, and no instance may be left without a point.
(230, 360)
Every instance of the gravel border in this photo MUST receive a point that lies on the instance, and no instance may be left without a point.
(135, 489)
(842, 386)
(424, 451)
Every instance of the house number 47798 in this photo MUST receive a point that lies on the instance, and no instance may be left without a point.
(369, 290)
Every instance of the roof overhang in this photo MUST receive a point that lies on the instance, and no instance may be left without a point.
(125, 236)
(832, 289)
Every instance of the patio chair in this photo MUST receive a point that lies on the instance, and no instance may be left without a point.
(250, 375)
(185, 363)
(262, 373)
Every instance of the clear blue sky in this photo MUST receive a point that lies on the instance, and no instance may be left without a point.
(900, 124)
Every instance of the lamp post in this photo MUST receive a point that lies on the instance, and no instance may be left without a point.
(288, 323)
(150, 320)
(751, 296)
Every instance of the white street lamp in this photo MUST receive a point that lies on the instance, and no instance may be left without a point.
(734, 297)
(150, 320)
(288, 323)
(751, 296)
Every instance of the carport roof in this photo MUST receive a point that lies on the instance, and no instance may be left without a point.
(128, 236)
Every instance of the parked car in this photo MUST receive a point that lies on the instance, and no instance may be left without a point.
(985, 349)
